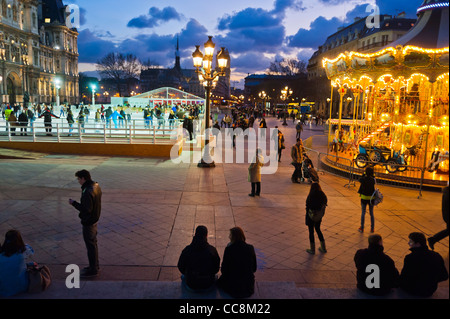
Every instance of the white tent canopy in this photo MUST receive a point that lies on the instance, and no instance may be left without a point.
(161, 96)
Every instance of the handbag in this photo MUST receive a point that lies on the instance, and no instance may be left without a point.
(39, 278)
(377, 196)
(317, 215)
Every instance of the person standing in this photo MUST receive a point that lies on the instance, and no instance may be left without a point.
(297, 159)
(422, 269)
(254, 173)
(374, 255)
(89, 213)
(443, 233)
(199, 262)
(366, 191)
(47, 114)
(281, 145)
(12, 120)
(315, 202)
(238, 266)
(23, 122)
(70, 120)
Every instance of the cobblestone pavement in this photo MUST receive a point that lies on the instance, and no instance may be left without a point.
(151, 207)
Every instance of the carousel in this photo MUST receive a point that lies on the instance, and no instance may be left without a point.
(400, 101)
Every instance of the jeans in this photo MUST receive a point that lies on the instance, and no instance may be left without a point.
(90, 239)
(256, 185)
(364, 203)
(311, 228)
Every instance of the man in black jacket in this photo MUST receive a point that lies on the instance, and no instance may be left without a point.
(445, 210)
(422, 269)
(376, 272)
(90, 209)
(199, 262)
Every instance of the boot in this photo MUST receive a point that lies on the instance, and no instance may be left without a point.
(312, 250)
(322, 248)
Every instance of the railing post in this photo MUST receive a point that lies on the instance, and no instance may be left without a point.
(154, 135)
(9, 132)
(57, 133)
(34, 132)
(79, 133)
(130, 134)
(104, 132)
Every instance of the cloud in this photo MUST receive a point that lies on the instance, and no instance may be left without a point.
(154, 17)
(248, 18)
(92, 48)
(250, 61)
(318, 32)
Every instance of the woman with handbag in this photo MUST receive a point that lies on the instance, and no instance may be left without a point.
(315, 209)
(366, 192)
(13, 268)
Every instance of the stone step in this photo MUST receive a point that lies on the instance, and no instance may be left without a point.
(91, 289)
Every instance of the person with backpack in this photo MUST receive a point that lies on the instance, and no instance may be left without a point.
(315, 209)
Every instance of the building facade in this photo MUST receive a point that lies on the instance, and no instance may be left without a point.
(38, 53)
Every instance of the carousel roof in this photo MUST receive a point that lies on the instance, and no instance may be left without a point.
(431, 28)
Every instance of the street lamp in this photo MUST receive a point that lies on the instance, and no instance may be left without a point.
(93, 87)
(209, 76)
(57, 86)
(286, 93)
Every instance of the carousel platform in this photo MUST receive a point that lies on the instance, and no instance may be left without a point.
(411, 178)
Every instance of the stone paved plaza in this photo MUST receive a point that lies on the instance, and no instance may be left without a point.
(151, 207)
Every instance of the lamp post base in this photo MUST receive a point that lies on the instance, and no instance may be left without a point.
(204, 164)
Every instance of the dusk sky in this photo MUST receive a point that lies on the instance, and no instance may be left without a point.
(254, 31)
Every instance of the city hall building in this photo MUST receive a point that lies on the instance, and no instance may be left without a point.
(38, 53)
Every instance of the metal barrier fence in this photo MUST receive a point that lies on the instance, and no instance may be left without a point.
(412, 177)
(135, 132)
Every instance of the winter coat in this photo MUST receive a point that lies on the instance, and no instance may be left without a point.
(254, 170)
(314, 202)
(238, 268)
(199, 262)
(422, 270)
(296, 154)
(90, 204)
(367, 187)
(389, 276)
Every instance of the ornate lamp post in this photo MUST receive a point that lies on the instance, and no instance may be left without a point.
(208, 75)
(57, 86)
(285, 94)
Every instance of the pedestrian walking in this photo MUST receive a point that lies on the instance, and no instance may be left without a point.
(89, 209)
(299, 128)
(443, 233)
(254, 173)
(316, 203)
(374, 255)
(297, 159)
(366, 192)
(422, 269)
(238, 266)
(199, 262)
